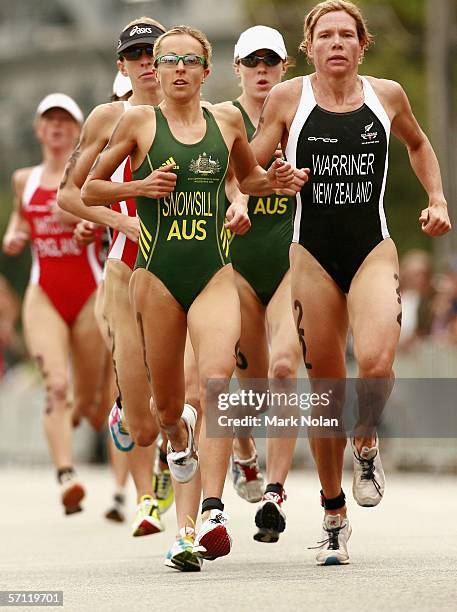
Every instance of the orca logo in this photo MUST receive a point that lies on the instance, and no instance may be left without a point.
(316, 138)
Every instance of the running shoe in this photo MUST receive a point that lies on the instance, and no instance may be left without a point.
(119, 432)
(247, 478)
(333, 546)
(71, 492)
(213, 540)
(116, 511)
(184, 464)
(147, 520)
(181, 555)
(163, 489)
(369, 480)
(270, 518)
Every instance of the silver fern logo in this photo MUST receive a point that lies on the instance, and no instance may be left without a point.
(367, 135)
(204, 165)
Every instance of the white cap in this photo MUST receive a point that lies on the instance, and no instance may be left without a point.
(260, 37)
(60, 100)
(122, 84)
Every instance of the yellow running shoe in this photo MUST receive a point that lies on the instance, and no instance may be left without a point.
(147, 520)
(163, 489)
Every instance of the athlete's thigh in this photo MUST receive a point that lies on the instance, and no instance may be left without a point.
(252, 356)
(374, 305)
(320, 314)
(162, 327)
(282, 332)
(214, 323)
(125, 344)
(89, 354)
(47, 336)
(99, 308)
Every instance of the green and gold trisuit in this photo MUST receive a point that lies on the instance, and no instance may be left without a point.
(182, 236)
(261, 256)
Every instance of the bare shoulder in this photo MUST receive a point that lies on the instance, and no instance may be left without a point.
(285, 94)
(20, 177)
(388, 91)
(227, 113)
(101, 121)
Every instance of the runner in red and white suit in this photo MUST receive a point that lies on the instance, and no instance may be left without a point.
(58, 312)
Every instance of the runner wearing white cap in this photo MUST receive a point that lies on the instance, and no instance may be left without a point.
(268, 345)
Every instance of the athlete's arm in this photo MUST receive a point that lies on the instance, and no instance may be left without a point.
(237, 215)
(95, 135)
(18, 230)
(281, 177)
(435, 218)
(272, 126)
(129, 138)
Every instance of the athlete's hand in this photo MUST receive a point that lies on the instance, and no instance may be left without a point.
(285, 179)
(238, 221)
(14, 242)
(435, 220)
(85, 232)
(130, 226)
(159, 183)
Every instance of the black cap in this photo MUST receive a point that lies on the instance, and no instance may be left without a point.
(138, 34)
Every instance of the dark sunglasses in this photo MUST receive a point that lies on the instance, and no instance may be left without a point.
(253, 60)
(134, 53)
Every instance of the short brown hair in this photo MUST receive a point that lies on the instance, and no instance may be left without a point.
(329, 6)
(197, 34)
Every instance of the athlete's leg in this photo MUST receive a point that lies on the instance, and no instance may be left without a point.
(320, 313)
(90, 360)
(214, 328)
(187, 495)
(284, 361)
(127, 355)
(48, 342)
(374, 306)
(252, 357)
(162, 327)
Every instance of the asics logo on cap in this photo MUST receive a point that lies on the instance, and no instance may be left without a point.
(138, 30)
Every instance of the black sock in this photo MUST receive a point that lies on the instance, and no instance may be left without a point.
(162, 456)
(212, 503)
(62, 471)
(274, 487)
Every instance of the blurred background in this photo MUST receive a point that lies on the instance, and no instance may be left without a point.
(69, 46)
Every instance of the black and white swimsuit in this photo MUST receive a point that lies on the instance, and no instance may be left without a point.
(339, 216)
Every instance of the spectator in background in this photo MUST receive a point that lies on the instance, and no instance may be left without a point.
(417, 295)
(9, 312)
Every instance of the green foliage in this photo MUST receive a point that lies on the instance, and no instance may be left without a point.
(15, 269)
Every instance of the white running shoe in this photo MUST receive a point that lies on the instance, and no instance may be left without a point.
(247, 478)
(369, 480)
(184, 464)
(213, 540)
(147, 520)
(333, 546)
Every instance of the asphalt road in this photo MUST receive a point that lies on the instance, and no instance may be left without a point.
(403, 553)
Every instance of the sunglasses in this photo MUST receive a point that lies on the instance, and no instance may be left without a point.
(171, 59)
(134, 53)
(253, 60)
